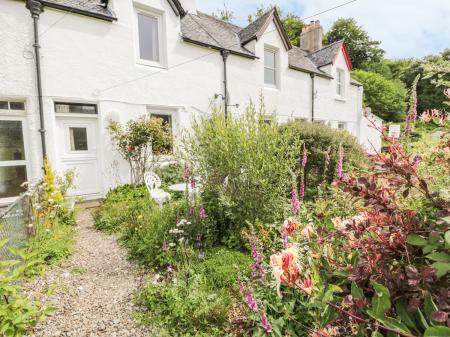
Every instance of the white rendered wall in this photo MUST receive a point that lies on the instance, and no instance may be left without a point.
(93, 61)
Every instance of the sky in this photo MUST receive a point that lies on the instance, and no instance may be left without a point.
(406, 28)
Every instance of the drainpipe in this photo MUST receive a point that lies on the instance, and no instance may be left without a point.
(225, 54)
(35, 8)
(313, 96)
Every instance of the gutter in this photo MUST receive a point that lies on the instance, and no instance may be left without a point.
(186, 39)
(225, 54)
(79, 11)
(312, 96)
(323, 75)
(35, 7)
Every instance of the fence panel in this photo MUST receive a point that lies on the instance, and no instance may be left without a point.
(14, 226)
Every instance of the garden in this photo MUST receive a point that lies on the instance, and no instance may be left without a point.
(50, 231)
(288, 229)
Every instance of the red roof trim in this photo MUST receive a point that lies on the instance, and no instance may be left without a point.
(347, 56)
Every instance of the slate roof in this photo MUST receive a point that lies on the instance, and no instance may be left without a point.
(298, 60)
(207, 30)
(248, 33)
(91, 8)
(326, 55)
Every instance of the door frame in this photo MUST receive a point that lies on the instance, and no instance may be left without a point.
(16, 116)
(61, 153)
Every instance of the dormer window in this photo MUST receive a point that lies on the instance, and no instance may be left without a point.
(149, 38)
(340, 83)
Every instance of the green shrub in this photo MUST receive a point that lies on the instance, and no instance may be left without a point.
(244, 166)
(171, 174)
(222, 267)
(174, 310)
(319, 140)
(120, 205)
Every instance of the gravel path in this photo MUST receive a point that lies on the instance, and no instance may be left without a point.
(93, 289)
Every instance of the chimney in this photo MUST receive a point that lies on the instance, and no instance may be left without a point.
(311, 36)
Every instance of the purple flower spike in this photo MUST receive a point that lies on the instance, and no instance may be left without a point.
(265, 323)
(305, 156)
(251, 302)
(302, 191)
(294, 202)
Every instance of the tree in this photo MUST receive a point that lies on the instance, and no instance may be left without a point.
(362, 49)
(387, 98)
(224, 14)
(292, 23)
(141, 142)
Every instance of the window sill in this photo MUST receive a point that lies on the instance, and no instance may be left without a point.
(271, 87)
(340, 99)
(150, 64)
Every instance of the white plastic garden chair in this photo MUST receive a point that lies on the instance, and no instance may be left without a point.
(153, 183)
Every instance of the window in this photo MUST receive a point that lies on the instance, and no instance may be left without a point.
(78, 139)
(149, 37)
(340, 83)
(167, 120)
(76, 108)
(10, 105)
(342, 125)
(13, 166)
(270, 67)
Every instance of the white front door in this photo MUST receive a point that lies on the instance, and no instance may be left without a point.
(78, 152)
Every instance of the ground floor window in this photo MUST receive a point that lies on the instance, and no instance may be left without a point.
(167, 119)
(13, 163)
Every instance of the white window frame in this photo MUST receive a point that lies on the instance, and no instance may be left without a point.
(276, 68)
(159, 16)
(17, 115)
(340, 83)
(163, 111)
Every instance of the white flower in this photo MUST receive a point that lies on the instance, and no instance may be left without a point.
(172, 244)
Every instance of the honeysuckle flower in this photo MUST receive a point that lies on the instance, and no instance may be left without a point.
(202, 214)
(265, 323)
(289, 226)
(306, 285)
(251, 302)
(308, 231)
(294, 202)
(340, 162)
(285, 267)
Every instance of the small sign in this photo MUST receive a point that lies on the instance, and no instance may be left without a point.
(394, 131)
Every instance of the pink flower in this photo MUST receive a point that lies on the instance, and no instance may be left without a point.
(164, 247)
(186, 172)
(241, 286)
(294, 202)
(202, 214)
(257, 266)
(251, 302)
(305, 156)
(284, 239)
(301, 192)
(340, 162)
(307, 286)
(265, 323)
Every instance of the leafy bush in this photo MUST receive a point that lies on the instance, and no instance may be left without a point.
(244, 168)
(140, 143)
(222, 267)
(18, 313)
(174, 310)
(322, 145)
(387, 98)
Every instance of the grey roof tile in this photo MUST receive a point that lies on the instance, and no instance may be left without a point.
(207, 30)
(326, 55)
(86, 7)
(299, 61)
(251, 31)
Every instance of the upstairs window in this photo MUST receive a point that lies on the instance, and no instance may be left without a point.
(149, 38)
(340, 83)
(270, 67)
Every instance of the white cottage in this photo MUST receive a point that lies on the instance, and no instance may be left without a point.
(68, 66)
